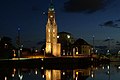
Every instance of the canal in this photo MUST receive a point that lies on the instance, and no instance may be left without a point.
(110, 71)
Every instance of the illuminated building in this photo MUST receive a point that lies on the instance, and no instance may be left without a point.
(66, 40)
(52, 47)
(82, 47)
(53, 74)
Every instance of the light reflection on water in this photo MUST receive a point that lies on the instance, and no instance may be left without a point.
(103, 72)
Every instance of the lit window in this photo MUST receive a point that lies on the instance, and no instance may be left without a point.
(76, 73)
(68, 36)
(53, 30)
(48, 30)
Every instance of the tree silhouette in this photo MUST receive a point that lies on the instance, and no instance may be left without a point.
(6, 47)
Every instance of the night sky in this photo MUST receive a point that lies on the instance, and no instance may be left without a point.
(81, 18)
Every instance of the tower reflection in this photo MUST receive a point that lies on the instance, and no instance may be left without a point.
(38, 73)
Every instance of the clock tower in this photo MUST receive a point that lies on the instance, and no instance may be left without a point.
(52, 47)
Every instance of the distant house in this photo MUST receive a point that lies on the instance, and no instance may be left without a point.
(80, 46)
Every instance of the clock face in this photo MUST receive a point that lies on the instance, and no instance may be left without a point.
(51, 16)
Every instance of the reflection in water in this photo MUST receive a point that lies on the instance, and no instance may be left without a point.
(53, 74)
(103, 72)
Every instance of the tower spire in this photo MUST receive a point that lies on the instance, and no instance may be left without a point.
(51, 1)
(52, 47)
(51, 8)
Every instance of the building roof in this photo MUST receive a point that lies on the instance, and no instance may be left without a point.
(64, 33)
(80, 42)
(65, 37)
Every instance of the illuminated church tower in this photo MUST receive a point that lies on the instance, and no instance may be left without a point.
(52, 47)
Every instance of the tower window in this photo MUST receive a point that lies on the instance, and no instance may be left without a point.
(53, 30)
(48, 30)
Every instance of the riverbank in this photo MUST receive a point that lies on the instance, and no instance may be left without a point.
(52, 62)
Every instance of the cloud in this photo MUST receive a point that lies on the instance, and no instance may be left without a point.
(88, 6)
(111, 23)
(108, 40)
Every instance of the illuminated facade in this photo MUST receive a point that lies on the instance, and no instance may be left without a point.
(52, 47)
(53, 74)
(81, 47)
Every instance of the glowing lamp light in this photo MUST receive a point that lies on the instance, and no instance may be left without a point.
(92, 75)
(18, 28)
(76, 73)
(108, 67)
(58, 36)
(68, 36)
(43, 76)
(36, 72)
(36, 50)
(42, 68)
(14, 55)
(63, 73)
(103, 67)
(21, 49)
(108, 72)
(42, 59)
(76, 52)
(5, 78)
(21, 77)
(76, 78)
(13, 75)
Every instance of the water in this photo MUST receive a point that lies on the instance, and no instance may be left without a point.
(102, 72)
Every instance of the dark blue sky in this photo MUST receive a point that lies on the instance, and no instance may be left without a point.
(81, 21)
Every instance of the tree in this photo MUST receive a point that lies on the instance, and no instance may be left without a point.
(6, 47)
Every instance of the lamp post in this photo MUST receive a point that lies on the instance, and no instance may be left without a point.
(44, 52)
(108, 51)
(93, 44)
(18, 43)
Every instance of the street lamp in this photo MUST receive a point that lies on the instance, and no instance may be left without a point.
(108, 51)
(18, 43)
(44, 52)
(93, 43)
(5, 45)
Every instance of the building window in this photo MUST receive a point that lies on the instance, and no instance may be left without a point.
(48, 30)
(53, 30)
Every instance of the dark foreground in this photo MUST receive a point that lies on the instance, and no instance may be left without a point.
(53, 62)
